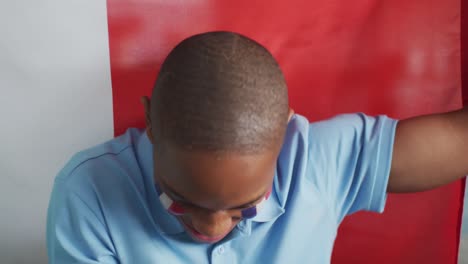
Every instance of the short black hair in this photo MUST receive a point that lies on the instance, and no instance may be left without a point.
(220, 91)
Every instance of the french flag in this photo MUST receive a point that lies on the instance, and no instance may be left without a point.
(72, 72)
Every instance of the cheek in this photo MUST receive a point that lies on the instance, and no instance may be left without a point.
(185, 218)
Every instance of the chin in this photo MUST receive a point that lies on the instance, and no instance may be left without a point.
(200, 238)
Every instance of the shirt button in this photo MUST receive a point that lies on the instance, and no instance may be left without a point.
(221, 250)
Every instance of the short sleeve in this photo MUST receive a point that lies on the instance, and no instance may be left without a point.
(351, 157)
(75, 231)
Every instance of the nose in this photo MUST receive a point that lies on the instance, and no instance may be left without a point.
(212, 224)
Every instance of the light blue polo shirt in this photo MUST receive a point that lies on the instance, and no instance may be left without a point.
(104, 206)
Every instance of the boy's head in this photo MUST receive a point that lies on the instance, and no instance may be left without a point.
(217, 119)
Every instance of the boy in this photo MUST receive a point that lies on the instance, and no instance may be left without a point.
(225, 173)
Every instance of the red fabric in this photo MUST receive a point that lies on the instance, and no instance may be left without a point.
(464, 79)
(401, 58)
(464, 50)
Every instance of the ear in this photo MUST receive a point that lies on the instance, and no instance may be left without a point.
(291, 113)
(147, 105)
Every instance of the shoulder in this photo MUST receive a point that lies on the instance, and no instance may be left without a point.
(101, 163)
(343, 129)
(313, 149)
(301, 132)
(349, 122)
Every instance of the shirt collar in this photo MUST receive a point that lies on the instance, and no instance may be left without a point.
(271, 209)
(144, 151)
(165, 222)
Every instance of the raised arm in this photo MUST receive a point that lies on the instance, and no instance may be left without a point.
(429, 151)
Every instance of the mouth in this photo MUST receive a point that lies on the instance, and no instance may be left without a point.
(200, 237)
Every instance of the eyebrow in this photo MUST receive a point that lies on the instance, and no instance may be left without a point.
(245, 205)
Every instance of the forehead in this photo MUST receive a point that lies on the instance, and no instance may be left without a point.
(216, 180)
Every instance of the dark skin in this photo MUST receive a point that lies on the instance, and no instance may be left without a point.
(213, 187)
(429, 151)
